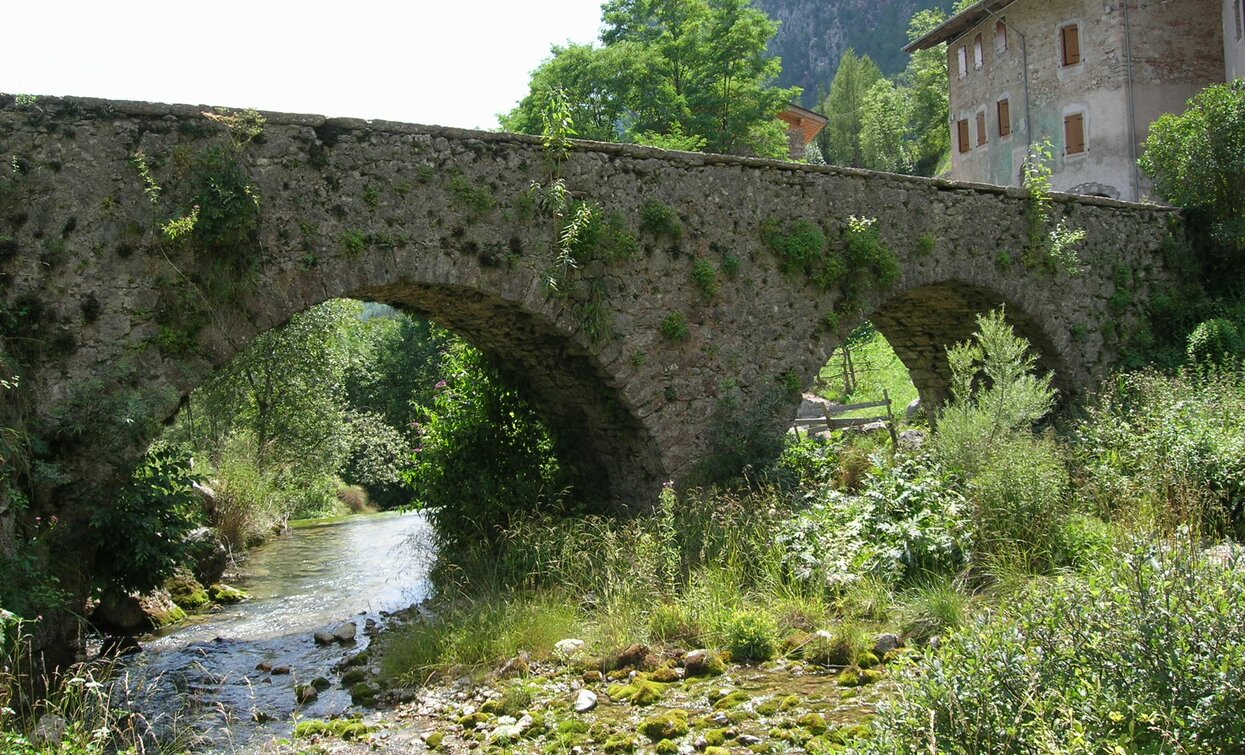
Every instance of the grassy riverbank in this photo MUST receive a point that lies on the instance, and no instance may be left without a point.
(1064, 590)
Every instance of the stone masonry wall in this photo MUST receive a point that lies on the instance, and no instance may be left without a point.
(112, 324)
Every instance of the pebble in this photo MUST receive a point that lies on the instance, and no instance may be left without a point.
(585, 701)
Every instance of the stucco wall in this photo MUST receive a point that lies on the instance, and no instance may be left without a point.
(1233, 45)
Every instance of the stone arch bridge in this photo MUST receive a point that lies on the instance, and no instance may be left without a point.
(709, 290)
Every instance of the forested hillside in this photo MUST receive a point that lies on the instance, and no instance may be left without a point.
(814, 34)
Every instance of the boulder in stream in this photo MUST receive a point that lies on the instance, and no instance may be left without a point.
(130, 613)
(345, 632)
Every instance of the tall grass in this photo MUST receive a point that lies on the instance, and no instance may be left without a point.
(83, 710)
(1144, 655)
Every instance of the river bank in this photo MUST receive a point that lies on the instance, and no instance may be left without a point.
(230, 678)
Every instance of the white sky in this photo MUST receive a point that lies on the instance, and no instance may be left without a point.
(449, 62)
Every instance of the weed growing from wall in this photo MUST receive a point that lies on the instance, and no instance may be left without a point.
(674, 327)
(705, 278)
(1052, 248)
(660, 220)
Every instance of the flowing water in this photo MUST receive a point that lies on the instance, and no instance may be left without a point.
(201, 679)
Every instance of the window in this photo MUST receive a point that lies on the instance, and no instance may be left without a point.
(1074, 133)
(979, 53)
(981, 128)
(963, 53)
(1004, 109)
(1070, 44)
(961, 127)
(1000, 35)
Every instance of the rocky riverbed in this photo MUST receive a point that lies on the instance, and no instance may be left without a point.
(642, 700)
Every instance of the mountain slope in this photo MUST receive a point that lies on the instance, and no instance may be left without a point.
(815, 33)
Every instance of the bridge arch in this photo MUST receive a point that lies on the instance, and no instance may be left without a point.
(921, 323)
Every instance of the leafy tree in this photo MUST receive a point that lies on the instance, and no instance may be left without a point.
(925, 81)
(286, 390)
(140, 538)
(484, 454)
(589, 77)
(884, 128)
(1197, 160)
(687, 73)
(844, 106)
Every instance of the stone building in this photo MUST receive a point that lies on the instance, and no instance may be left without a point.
(1234, 38)
(1089, 75)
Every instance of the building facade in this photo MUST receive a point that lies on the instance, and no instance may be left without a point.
(1234, 38)
(1087, 75)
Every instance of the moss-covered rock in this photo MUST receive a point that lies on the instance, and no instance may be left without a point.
(857, 677)
(471, 720)
(186, 591)
(353, 677)
(639, 692)
(814, 722)
(730, 700)
(434, 740)
(704, 663)
(344, 728)
(223, 593)
(667, 747)
(621, 743)
(669, 725)
(363, 694)
(716, 750)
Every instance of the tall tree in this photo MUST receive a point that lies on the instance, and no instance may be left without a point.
(884, 128)
(925, 79)
(840, 140)
(687, 72)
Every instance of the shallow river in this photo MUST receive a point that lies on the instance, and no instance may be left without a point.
(201, 679)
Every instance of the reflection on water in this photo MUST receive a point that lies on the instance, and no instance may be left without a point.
(203, 674)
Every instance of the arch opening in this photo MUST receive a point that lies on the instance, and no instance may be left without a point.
(608, 456)
(922, 323)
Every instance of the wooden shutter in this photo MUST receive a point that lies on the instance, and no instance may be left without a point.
(962, 132)
(1071, 44)
(1000, 36)
(979, 52)
(1074, 134)
(1005, 118)
(981, 128)
(963, 60)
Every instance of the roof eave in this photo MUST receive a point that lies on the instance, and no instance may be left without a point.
(958, 24)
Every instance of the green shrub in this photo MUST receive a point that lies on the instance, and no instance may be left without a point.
(908, 518)
(1146, 655)
(483, 449)
(994, 394)
(1167, 446)
(1197, 159)
(751, 635)
(1019, 499)
(1215, 342)
(140, 537)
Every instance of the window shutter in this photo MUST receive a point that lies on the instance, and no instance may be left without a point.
(1000, 36)
(979, 52)
(962, 132)
(1005, 118)
(1074, 134)
(981, 128)
(1071, 45)
(963, 59)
